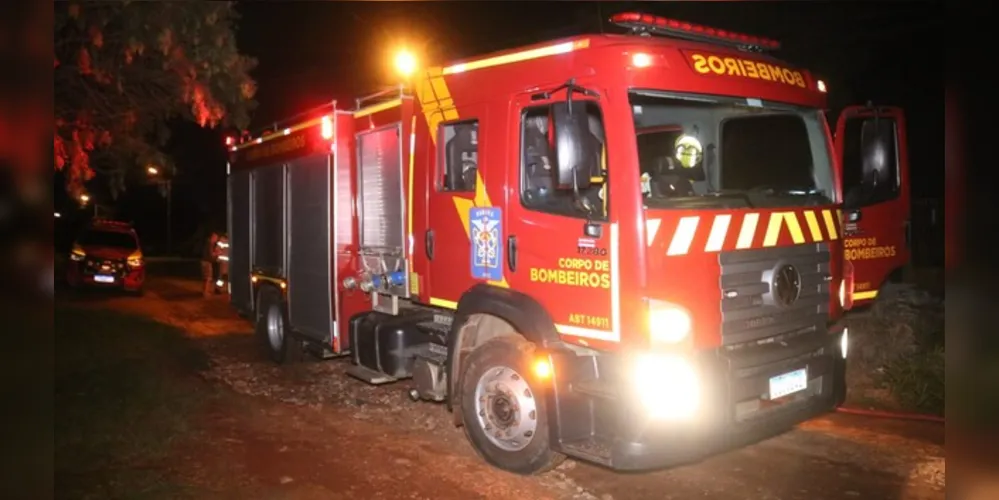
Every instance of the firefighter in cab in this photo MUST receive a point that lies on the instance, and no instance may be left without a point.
(674, 176)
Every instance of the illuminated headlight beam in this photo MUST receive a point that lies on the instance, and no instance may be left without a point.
(668, 386)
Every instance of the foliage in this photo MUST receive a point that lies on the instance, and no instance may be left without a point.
(898, 347)
(917, 381)
(124, 69)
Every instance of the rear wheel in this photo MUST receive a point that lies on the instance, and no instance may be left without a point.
(503, 408)
(272, 330)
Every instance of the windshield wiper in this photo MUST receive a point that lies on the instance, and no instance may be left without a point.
(733, 193)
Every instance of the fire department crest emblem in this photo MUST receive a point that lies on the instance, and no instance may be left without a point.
(485, 232)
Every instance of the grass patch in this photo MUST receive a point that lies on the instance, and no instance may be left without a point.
(123, 395)
(899, 354)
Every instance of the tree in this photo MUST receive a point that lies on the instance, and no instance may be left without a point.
(124, 70)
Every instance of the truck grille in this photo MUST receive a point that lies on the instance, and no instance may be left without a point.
(752, 309)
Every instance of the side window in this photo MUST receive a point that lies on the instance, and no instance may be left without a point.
(870, 161)
(459, 156)
(538, 168)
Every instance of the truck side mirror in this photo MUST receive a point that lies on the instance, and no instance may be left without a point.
(574, 148)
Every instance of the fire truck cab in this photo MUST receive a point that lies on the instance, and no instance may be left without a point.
(621, 248)
(877, 237)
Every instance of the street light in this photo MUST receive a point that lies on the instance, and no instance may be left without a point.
(168, 185)
(405, 63)
(84, 198)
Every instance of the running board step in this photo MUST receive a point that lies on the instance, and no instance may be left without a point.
(321, 351)
(368, 375)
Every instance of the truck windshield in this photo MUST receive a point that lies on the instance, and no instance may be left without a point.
(716, 152)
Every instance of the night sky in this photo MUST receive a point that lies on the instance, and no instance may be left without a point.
(313, 52)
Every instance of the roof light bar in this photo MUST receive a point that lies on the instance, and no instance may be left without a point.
(647, 23)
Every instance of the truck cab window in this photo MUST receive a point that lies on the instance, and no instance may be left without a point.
(870, 166)
(460, 156)
(720, 152)
(538, 168)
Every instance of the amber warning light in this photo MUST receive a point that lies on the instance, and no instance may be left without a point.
(657, 25)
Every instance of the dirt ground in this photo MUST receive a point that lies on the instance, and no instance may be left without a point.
(309, 431)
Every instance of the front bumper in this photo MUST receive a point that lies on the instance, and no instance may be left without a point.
(598, 416)
(81, 273)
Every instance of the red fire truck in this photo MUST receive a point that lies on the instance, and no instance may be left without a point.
(877, 222)
(622, 248)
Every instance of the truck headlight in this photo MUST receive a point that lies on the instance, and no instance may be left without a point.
(842, 293)
(667, 386)
(668, 323)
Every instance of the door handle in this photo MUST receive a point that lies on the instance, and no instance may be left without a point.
(429, 244)
(511, 252)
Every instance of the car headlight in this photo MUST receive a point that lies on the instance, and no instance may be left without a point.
(668, 323)
(134, 260)
(77, 254)
(667, 386)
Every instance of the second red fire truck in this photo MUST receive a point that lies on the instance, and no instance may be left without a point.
(626, 248)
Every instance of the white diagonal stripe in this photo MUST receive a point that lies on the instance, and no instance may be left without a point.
(747, 231)
(719, 228)
(683, 236)
(651, 228)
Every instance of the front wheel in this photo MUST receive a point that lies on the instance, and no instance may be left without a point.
(503, 408)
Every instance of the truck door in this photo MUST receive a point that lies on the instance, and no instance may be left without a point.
(553, 259)
(871, 146)
(454, 186)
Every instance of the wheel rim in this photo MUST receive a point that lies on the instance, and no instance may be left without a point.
(506, 409)
(275, 328)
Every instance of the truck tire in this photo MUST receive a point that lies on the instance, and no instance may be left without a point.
(503, 409)
(272, 331)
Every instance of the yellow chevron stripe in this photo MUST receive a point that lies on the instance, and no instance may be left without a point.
(773, 229)
(830, 224)
(794, 227)
(777, 221)
(813, 225)
(865, 295)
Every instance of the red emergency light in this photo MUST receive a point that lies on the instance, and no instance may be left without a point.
(647, 23)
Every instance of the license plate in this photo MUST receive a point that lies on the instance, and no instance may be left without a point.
(788, 383)
(101, 278)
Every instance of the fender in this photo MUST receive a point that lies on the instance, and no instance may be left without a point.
(526, 315)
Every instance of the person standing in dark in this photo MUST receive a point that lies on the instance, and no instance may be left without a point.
(208, 264)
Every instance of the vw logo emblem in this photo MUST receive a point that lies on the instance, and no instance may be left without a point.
(786, 285)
